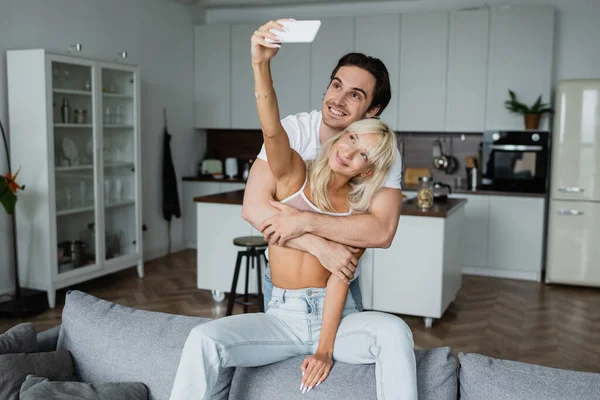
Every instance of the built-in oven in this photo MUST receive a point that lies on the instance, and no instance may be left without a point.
(515, 161)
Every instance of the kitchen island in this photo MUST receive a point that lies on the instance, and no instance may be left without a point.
(419, 274)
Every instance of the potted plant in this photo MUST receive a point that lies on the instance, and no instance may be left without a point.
(24, 302)
(531, 114)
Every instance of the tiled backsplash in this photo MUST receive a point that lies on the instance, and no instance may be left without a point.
(418, 152)
(245, 145)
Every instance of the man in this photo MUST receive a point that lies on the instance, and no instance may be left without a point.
(359, 88)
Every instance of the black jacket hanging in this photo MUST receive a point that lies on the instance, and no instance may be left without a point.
(170, 206)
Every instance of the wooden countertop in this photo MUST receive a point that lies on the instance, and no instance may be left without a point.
(464, 190)
(439, 210)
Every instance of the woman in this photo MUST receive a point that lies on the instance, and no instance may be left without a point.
(310, 310)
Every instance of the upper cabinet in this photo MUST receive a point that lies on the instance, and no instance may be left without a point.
(243, 102)
(379, 36)
(467, 70)
(290, 71)
(332, 42)
(449, 71)
(213, 81)
(521, 42)
(423, 64)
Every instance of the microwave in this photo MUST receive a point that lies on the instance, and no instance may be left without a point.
(515, 161)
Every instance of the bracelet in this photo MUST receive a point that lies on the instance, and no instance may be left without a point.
(258, 96)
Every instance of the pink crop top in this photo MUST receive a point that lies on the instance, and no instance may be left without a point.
(301, 202)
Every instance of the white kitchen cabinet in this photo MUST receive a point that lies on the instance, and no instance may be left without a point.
(423, 64)
(576, 141)
(516, 231)
(475, 231)
(521, 46)
(573, 243)
(212, 49)
(243, 102)
(217, 254)
(467, 70)
(80, 216)
(421, 272)
(366, 265)
(379, 36)
(290, 71)
(193, 189)
(333, 40)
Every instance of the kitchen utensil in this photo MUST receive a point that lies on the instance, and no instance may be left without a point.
(411, 175)
(212, 166)
(231, 167)
(78, 252)
(441, 192)
(453, 163)
(440, 161)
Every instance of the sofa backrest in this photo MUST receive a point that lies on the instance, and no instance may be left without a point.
(113, 343)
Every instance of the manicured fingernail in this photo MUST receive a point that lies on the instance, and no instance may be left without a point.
(309, 389)
(302, 373)
(301, 386)
(318, 383)
(304, 390)
(277, 45)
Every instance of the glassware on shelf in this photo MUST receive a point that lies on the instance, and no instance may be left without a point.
(107, 116)
(67, 83)
(118, 189)
(118, 116)
(107, 193)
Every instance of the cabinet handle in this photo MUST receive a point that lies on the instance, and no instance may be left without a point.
(570, 189)
(569, 212)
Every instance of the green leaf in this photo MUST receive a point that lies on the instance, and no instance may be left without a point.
(7, 197)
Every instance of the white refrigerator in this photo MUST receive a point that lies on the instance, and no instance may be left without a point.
(573, 245)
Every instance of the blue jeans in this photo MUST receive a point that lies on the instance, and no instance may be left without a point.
(268, 290)
(292, 327)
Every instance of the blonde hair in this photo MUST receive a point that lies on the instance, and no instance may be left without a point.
(382, 156)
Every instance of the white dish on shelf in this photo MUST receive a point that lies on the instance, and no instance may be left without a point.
(70, 151)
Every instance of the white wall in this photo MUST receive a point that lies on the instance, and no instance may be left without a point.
(577, 53)
(158, 35)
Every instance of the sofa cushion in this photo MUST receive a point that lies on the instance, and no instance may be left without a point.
(46, 340)
(113, 343)
(483, 377)
(18, 339)
(436, 379)
(14, 369)
(40, 388)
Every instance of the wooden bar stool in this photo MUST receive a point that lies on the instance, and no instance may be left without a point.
(255, 248)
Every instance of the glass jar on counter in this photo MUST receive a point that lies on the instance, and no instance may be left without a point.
(425, 193)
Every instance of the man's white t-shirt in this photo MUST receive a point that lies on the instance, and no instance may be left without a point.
(303, 132)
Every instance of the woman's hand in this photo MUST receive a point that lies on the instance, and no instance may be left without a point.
(315, 370)
(261, 50)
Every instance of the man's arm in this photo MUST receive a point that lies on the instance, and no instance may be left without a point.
(372, 230)
(376, 229)
(260, 188)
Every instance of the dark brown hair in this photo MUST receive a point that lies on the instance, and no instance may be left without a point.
(383, 91)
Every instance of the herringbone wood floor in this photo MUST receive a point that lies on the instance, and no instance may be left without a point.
(556, 326)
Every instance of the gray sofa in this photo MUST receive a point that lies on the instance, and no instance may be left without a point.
(112, 343)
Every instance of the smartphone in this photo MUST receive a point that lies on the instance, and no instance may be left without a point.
(298, 31)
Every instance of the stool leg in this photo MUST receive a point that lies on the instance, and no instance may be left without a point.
(234, 284)
(248, 261)
(258, 273)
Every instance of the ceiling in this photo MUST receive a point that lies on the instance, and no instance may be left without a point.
(263, 3)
